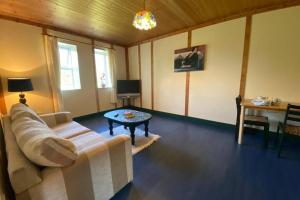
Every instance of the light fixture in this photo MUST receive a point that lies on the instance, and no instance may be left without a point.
(144, 20)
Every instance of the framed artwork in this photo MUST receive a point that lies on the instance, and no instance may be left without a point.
(190, 59)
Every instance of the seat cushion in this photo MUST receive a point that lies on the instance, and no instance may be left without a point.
(69, 129)
(292, 130)
(87, 140)
(41, 145)
(255, 118)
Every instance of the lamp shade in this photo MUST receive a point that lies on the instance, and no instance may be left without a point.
(19, 84)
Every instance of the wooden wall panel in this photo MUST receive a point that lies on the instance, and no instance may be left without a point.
(152, 78)
(187, 81)
(95, 76)
(140, 76)
(2, 100)
(245, 56)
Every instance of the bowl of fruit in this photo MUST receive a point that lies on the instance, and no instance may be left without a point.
(129, 115)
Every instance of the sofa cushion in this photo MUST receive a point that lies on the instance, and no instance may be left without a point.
(69, 129)
(23, 174)
(41, 145)
(21, 110)
(54, 119)
(87, 140)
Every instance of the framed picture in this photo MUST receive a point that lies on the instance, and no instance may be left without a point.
(190, 59)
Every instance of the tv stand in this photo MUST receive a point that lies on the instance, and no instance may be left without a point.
(127, 97)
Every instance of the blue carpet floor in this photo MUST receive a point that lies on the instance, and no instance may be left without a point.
(195, 161)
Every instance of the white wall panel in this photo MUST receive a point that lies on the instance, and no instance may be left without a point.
(169, 86)
(213, 91)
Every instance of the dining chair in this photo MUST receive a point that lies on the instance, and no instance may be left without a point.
(290, 126)
(255, 120)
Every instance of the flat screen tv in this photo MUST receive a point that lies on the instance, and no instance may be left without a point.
(128, 87)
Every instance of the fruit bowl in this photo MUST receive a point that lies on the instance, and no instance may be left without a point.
(129, 115)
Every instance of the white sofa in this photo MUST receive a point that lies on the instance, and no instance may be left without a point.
(102, 168)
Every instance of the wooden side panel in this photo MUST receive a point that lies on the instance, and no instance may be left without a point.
(152, 78)
(140, 75)
(245, 55)
(127, 63)
(187, 81)
(95, 76)
(2, 100)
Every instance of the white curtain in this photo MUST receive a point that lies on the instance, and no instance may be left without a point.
(52, 58)
(112, 69)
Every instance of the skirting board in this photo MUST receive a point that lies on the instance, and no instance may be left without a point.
(170, 115)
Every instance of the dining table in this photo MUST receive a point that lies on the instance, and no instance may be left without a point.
(247, 104)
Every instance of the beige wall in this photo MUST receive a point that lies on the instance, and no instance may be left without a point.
(146, 74)
(73, 99)
(169, 87)
(273, 66)
(105, 93)
(121, 66)
(213, 90)
(22, 54)
(222, 73)
(134, 72)
(274, 61)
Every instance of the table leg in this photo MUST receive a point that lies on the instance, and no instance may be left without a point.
(132, 129)
(110, 122)
(146, 128)
(125, 127)
(241, 129)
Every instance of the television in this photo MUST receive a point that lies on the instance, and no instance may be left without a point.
(128, 88)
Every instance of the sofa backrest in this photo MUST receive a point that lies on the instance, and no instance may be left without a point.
(6, 191)
(23, 174)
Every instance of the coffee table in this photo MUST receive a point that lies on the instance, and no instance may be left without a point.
(118, 117)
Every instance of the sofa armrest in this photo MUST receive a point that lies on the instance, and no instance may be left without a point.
(104, 166)
(23, 174)
(54, 119)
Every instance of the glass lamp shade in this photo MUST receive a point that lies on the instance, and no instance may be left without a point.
(144, 20)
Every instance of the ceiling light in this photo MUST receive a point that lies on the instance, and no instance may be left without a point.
(144, 20)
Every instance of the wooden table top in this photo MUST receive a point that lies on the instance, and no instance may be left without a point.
(280, 107)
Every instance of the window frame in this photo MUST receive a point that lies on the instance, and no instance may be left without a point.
(64, 45)
(106, 69)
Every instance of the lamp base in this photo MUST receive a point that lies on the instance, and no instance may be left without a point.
(22, 98)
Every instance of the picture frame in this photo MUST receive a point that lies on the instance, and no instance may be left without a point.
(190, 59)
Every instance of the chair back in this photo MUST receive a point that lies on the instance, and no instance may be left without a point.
(238, 101)
(292, 115)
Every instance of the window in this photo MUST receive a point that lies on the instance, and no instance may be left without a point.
(102, 69)
(69, 68)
